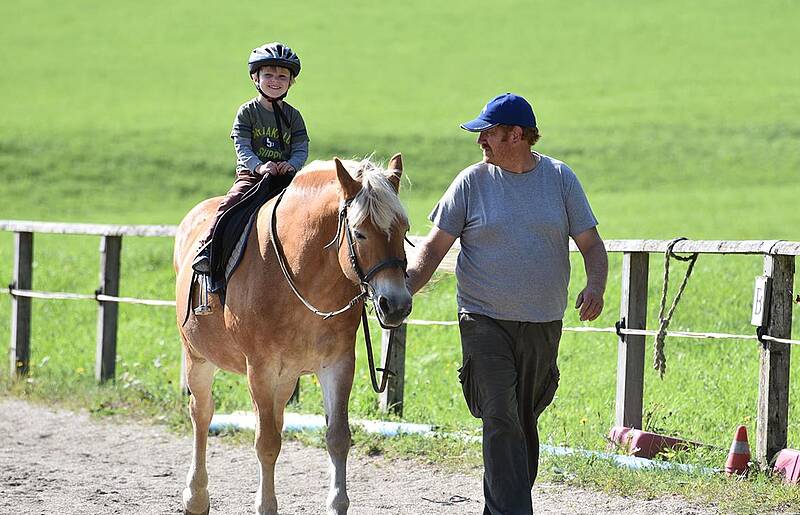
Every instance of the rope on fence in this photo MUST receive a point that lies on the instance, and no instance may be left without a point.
(681, 334)
(171, 303)
(48, 294)
(100, 297)
(659, 359)
(640, 332)
(131, 300)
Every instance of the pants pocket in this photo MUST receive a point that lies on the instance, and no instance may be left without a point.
(549, 392)
(468, 387)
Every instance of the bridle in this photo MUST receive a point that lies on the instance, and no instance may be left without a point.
(367, 292)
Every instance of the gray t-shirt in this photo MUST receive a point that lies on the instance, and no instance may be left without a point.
(514, 231)
(255, 136)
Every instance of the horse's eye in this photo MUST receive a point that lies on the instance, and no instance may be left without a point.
(359, 236)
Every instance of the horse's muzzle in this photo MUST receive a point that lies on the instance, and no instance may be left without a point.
(392, 309)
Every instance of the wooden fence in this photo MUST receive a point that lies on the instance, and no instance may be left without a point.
(775, 335)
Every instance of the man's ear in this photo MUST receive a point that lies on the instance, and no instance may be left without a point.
(518, 132)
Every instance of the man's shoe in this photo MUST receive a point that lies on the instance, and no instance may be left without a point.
(202, 262)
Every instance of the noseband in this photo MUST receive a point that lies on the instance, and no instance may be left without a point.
(363, 278)
(367, 291)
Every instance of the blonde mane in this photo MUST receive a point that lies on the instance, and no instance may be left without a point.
(377, 198)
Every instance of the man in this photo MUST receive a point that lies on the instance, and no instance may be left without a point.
(514, 213)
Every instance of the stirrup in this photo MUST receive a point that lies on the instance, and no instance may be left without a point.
(203, 308)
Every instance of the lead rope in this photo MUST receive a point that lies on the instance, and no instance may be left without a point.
(341, 225)
(385, 372)
(659, 358)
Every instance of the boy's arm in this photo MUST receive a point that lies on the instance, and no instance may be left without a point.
(299, 154)
(245, 154)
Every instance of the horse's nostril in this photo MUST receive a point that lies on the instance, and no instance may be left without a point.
(383, 302)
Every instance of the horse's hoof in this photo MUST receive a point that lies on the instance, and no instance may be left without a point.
(192, 503)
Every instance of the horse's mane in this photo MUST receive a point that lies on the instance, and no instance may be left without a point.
(377, 198)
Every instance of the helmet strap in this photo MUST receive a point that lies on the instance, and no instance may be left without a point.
(279, 116)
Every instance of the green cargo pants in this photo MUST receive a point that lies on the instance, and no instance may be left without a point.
(509, 376)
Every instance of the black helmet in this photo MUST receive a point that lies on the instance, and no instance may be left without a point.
(274, 54)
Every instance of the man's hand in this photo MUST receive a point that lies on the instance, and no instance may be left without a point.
(590, 302)
(284, 167)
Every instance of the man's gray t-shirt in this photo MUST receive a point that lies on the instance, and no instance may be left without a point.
(514, 231)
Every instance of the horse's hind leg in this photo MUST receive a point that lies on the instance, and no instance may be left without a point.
(336, 380)
(270, 393)
(199, 377)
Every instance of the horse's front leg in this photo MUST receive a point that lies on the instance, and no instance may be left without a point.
(270, 394)
(199, 377)
(336, 380)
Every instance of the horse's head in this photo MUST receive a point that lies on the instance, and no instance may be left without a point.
(375, 226)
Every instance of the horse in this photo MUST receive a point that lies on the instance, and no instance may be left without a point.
(274, 327)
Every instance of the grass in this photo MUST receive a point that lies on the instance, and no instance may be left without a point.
(679, 118)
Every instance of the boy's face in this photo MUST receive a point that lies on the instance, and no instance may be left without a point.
(274, 81)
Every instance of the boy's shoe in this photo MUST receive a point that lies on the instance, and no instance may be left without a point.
(202, 262)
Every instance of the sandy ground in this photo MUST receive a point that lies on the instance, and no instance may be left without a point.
(59, 462)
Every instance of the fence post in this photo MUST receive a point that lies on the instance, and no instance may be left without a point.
(106, 354)
(773, 382)
(20, 347)
(392, 398)
(630, 348)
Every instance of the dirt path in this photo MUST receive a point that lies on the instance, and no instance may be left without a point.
(58, 462)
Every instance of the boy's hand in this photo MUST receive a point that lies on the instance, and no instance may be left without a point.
(284, 167)
(267, 168)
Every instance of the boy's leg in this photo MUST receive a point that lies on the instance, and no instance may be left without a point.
(535, 353)
(243, 184)
(489, 380)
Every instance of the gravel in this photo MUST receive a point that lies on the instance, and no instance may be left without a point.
(59, 462)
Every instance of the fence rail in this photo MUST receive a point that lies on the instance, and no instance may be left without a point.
(775, 333)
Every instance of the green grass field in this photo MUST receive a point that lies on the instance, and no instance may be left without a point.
(680, 118)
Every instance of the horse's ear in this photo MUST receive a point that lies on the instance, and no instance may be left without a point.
(395, 171)
(350, 186)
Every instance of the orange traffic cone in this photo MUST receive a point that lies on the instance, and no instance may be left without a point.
(739, 455)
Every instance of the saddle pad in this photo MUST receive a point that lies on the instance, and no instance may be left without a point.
(230, 234)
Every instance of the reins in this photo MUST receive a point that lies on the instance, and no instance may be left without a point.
(285, 269)
(366, 288)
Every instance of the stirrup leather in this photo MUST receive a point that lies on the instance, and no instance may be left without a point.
(202, 307)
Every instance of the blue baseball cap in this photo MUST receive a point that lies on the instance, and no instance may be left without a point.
(507, 109)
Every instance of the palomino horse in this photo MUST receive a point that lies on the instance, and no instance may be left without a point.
(265, 331)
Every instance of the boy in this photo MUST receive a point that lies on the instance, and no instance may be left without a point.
(268, 134)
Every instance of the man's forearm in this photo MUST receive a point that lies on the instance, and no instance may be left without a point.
(430, 254)
(595, 262)
(421, 269)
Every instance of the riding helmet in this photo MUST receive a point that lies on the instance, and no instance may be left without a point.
(274, 54)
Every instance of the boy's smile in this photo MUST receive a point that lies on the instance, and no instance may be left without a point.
(274, 81)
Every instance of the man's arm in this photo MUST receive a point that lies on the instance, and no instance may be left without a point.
(595, 261)
(428, 257)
